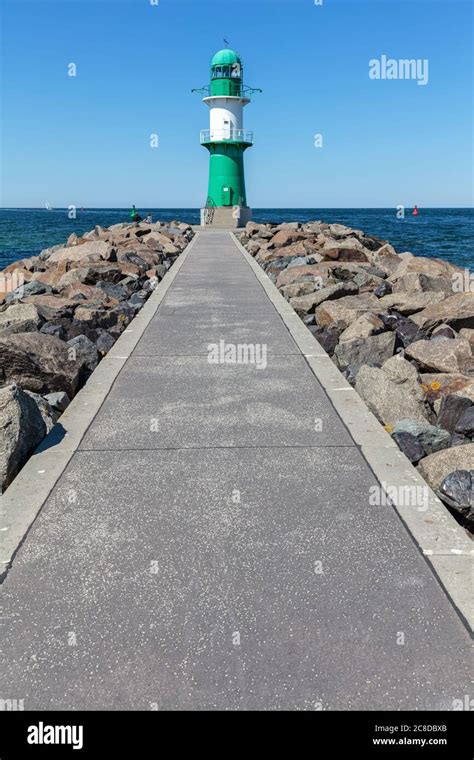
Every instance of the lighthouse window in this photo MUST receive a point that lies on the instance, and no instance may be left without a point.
(221, 72)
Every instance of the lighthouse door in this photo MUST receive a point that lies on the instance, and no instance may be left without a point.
(227, 196)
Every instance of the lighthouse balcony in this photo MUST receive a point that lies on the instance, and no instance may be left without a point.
(226, 135)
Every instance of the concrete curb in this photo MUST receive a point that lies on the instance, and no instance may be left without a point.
(443, 542)
(22, 501)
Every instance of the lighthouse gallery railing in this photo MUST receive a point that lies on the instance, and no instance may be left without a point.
(232, 135)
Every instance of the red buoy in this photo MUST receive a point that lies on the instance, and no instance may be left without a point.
(415, 211)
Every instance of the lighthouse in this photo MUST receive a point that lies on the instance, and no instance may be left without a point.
(226, 140)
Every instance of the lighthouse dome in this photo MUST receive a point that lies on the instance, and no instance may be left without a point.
(225, 57)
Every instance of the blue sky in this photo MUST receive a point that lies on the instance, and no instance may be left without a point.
(85, 140)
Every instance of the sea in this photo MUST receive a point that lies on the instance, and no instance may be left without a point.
(445, 233)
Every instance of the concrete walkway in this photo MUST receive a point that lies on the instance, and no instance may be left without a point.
(211, 544)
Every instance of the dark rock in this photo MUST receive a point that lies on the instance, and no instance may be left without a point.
(137, 299)
(102, 272)
(150, 284)
(465, 424)
(327, 337)
(160, 270)
(456, 490)
(406, 330)
(410, 445)
(140, 231)
(104, 342)
(131, 282)
(118, 291)
(343, 274)
(39, 363)
(58, 330)
(308, 319)
(459, 440)
(430, 437)
(73, 329)
(277, 265)
(371, 242)
(384, 289)
(123, 314)
(134, 258)
(451, 410)
(85, 351)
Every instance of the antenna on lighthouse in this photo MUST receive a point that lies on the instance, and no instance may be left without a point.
(226, 43)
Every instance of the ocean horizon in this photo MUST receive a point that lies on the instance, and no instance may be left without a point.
(445, 233)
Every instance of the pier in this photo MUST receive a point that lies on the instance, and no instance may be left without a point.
(198, 531)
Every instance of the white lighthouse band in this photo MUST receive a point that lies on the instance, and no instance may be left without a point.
(226, 119)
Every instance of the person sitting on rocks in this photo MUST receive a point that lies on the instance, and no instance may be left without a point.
(135, 215)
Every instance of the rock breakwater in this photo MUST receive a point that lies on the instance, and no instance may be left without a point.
(61, 312)
(399, 327)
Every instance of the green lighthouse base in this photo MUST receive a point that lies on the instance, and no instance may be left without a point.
(226, 217)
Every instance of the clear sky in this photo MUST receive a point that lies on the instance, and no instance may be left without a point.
(85, 140)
